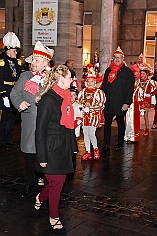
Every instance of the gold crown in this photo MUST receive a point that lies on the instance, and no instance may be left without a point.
(45, 10)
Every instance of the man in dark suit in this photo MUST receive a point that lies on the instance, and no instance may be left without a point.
(9, 74)
(118, 85)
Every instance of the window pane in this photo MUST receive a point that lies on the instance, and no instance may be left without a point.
(87, 32)
(151, 19)
(150, 32)
(86, 52)
(2, 21)
(150, 48)
(2, 16)
(86, 46)
(150, 61)
(1, 43)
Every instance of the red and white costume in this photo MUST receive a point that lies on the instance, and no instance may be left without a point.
(143, 98)
(147, 90)
(93, 102)
(132, 125)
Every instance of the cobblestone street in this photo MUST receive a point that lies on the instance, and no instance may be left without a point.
(113, 196)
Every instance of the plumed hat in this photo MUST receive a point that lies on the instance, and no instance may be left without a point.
(140, 56)
(91, 74)
(89, 66)
(119, 52)
(42, 51)
(145, 67)
(11, 41)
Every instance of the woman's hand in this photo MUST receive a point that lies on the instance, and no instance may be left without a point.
(43, 164)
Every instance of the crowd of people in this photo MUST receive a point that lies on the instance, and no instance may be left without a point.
(54, 108)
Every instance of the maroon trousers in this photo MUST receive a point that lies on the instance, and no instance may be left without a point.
(52, 192)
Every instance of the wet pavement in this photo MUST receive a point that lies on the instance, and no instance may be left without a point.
(116, 195)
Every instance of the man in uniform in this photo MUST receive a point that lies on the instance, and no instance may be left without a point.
(9, 74)
(23, 98)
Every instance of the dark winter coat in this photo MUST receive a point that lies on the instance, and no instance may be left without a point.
(118, 92)
(55, 144)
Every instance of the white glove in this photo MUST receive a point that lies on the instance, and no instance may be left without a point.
(6, 102)
(146, 95)
(86, 109)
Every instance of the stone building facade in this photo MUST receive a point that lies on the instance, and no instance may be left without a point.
(120, 24)
(70, 14)
(113, 24)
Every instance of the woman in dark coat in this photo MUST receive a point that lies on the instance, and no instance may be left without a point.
(55, 139)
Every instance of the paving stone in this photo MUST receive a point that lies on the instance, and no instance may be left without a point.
(113, 196)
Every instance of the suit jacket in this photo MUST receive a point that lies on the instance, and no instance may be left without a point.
(119, 92)
(28, 116)
(55, 144)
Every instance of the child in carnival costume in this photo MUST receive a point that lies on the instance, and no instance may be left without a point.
(132, 125)
(147, 91)
(93, 102)
(142, 100)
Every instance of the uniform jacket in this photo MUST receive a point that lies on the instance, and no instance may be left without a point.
(9, 73)
(28, 116)
(119, 92)
(55, 143)
(93, 101)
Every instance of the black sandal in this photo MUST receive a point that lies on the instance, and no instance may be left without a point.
(41, 182)
(58, 231)
(37, 204)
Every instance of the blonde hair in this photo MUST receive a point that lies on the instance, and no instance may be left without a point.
(52, 77)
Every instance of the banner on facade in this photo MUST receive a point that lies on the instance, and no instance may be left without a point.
(44, 27)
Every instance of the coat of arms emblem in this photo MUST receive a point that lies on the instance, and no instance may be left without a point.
(44, 16)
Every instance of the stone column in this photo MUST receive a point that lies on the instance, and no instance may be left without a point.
(106, 34)
(27, 32)
(115, 25)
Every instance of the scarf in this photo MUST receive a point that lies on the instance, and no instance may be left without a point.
(39, 73)
(113, 73)
(32, 85)
(67, 118)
